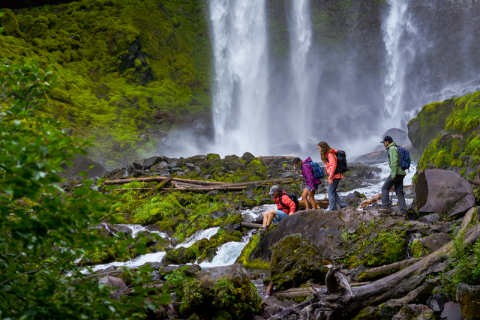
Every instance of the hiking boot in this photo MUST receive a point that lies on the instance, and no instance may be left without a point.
(385, 210)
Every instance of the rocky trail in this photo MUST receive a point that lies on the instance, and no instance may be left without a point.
(373, 260)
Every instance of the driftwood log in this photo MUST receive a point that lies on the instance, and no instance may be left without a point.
(196, 182)
(380, 272)
(371, 201)
(321, 204)
(394, 286)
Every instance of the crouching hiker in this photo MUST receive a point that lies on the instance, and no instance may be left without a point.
(285, 206)
(335, 171)
(397, 174)
(312, 173)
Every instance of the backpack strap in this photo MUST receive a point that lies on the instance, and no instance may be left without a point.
(280, 199)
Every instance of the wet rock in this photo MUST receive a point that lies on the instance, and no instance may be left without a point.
(121, 228)
(232, 157)
(217, 214)
(468, 298)
(234, 165)
(296, 260)
(82, 163)
(110, 281)
(116, 174)
(149, 162)
(416, 312)
(451, 311)
(162, 166)
(431, 218)
(436, 241)
(196, 159)
(443, 192)
(248, 157)
(398, 135)
(436, 301)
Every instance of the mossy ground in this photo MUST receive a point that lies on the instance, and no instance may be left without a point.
(119, 61)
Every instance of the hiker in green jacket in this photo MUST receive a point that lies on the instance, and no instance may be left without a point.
(395, 179)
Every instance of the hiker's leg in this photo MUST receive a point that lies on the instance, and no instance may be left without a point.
(338, 199)
(400, 195)
(385, 189)
(305, 198)
(331, 195)
(279, 215)
(268, 218)
(311, 196)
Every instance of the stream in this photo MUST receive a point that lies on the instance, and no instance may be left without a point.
(230, 251)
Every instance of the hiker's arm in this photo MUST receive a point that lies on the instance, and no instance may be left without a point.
(393, 162)
(291, 205)
(332, 165)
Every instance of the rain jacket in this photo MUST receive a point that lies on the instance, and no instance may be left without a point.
(331, 165)
(394, 161)
(289, 207)
(307, 173)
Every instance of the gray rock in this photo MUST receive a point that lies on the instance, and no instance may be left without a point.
(121, 228)
(443, 191)
(436, 241)
(196, 159)
(451, 311)
(82, 163)
(208, 176)
(234, 165)
(213, 193)
(398, 135)
(232, 157)
(436, 302)
(431, 218)
(176, 169)
(180, 174)
(415, 311)
(148, 162)
(468, 298)
(248, 157)
(156, 275)
(190, 165)
(172, 164)
(113, 282)
(290, 174)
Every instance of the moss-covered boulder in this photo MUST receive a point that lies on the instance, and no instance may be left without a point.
(296, 260)
(227, 291)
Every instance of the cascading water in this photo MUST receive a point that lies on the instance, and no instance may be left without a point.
(398, 29)
(241, 73)
(301, 42)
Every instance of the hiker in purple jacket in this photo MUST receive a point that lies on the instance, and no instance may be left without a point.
(310, 181)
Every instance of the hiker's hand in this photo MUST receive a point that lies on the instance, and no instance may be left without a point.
(330, 182)
(393, 178)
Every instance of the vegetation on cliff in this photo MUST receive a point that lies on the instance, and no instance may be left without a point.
(447, 133)
(118, 61)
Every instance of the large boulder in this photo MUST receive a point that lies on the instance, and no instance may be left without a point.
(82, 163)
(296, 260)
(117, 285)
(398, 135)
(436, 241)
(415, 312)
(227, 291)
(469, 299)
(443, 192)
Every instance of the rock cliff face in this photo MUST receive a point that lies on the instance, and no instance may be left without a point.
(129, 71)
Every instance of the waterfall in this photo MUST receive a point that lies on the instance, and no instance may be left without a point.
(301, 42)
(241, 74)
(398, 30)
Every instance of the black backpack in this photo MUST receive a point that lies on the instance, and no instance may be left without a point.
(292, 197)
(341, 162)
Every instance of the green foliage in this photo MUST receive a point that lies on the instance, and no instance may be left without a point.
(43, 230)
(466, 263)
(417, 249)
(119, 61)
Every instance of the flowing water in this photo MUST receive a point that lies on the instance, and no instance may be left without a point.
(398, 31)
(301, 42)
(239, 32)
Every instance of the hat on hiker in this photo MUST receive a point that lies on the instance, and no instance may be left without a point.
(387, 139)
(273, 189)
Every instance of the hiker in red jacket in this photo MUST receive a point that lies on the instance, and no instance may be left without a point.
(329, 157)
(285, 207)
(310, 181)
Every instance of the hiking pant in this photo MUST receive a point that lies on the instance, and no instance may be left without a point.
(333, 196)
(398, 183)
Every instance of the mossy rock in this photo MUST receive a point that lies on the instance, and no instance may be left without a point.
(226, 290)
(296, 260)
(245, 256)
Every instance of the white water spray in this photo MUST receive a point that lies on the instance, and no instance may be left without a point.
(398, 30)
(301, 42)
(241, 74)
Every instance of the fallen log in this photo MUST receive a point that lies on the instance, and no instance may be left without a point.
(161, 185)
(305, 292)
(371, 201)
(380, 272)
(467, 219)
(133, 189)
(207, 189)
(160, 178)
(251, 225)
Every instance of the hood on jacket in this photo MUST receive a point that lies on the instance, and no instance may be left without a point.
(307, 160)
(393, 144)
